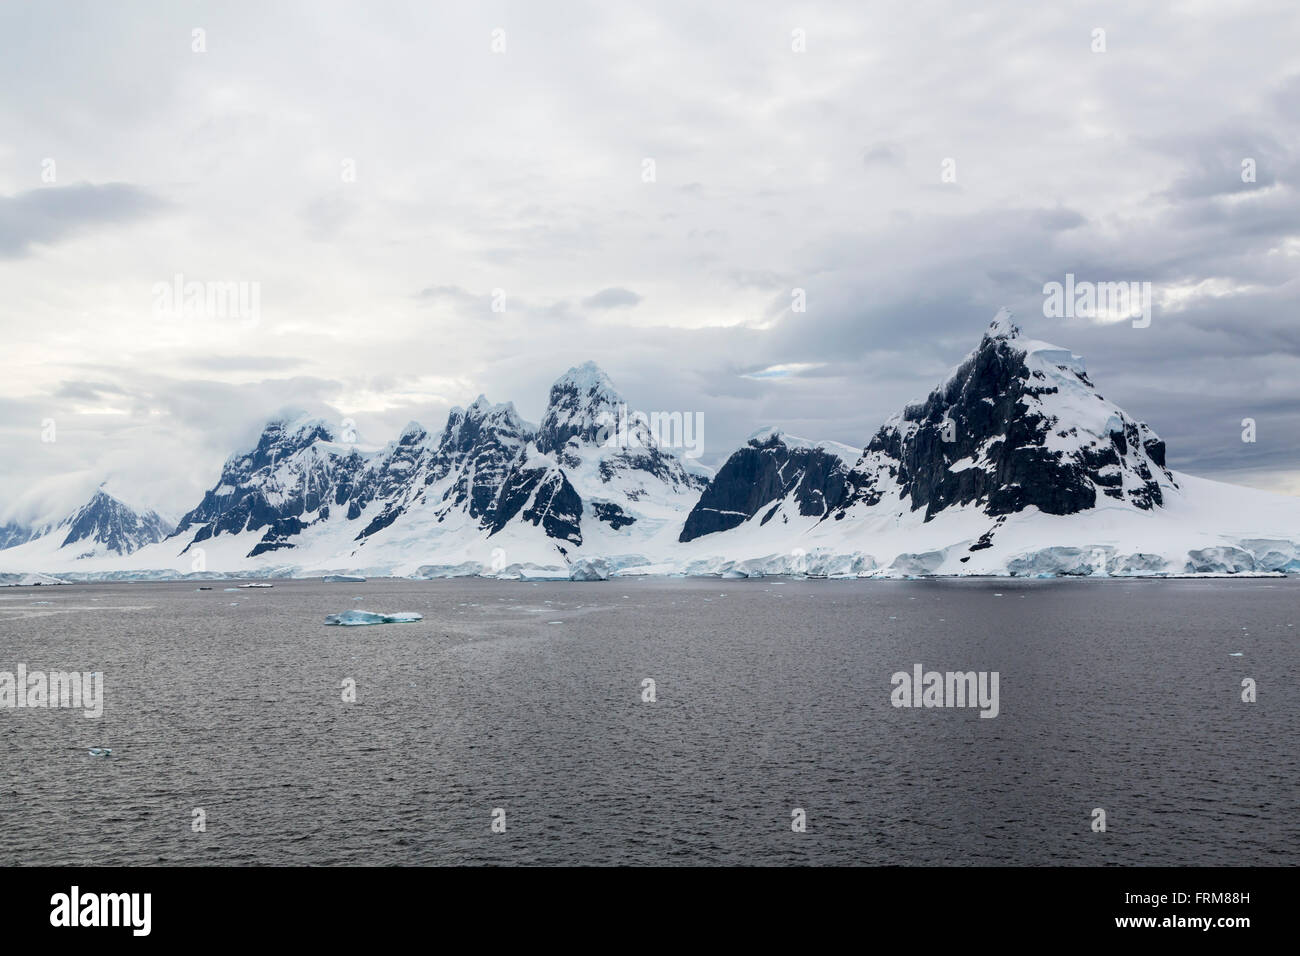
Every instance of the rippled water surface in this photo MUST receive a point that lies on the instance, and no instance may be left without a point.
(772, 695)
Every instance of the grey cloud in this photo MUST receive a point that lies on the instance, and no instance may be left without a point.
(819, 171)
(88, 391)
(325, 216)
(456, 296)
(614, 297)
(764, 279)
(1059, 219)
(243, 363)
(46, 215)
(886, 154)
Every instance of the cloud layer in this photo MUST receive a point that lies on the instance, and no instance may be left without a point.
(428, 209)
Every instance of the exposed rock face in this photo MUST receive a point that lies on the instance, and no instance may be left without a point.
(761, 476)
(13, 534)
(106, 521)
(1018, 424)
(284, 484)
(583, 405)
(464, 468)
(487, 470)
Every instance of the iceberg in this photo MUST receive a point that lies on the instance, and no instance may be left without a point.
(534, 573)
(916, 565)
(355, 618)
(101, 751)
(343, 579)
(590, 569)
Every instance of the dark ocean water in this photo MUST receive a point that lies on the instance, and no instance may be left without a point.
(772, 695)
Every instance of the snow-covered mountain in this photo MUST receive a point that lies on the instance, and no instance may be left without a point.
(13, 533)
(102, 527)
(777, 474)
(490, 491)
(1017, 424)
(1014, 464)
(285, 484)
(493, 491)
(106, 523)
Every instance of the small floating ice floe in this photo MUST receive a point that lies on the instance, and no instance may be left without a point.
(230, 589)
(355, 618)
(257, 585)
(1235, 654)
(101, 751)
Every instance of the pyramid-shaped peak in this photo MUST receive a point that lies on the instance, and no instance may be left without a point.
(1003, 325)
(113, 524)
(582, 402)
(413, 434)
(584, 378)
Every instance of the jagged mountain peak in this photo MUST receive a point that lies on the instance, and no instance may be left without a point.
(281, 437)
(466, 427)
(1017, 424)
(583, 403)
(1003, 325)
(586, 376)
(295, 421)
(107, 522)
(412, 430)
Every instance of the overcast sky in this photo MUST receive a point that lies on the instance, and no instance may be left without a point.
(380, 171)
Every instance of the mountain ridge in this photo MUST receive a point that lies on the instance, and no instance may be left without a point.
(1014, 463)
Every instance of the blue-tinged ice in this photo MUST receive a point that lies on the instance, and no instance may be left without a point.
(355, 618)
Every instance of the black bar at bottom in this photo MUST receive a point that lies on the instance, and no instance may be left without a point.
(368, 905)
